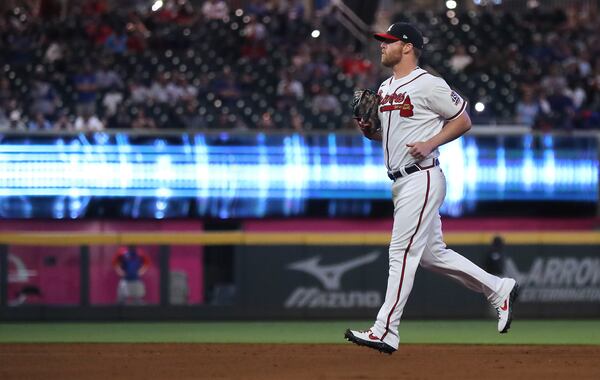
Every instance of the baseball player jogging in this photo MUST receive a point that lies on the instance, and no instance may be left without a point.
(416, 113)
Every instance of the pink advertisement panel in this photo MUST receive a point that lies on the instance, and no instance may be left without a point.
(50, 275)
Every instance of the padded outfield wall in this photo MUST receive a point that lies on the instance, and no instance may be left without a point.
(316, 281)
(314, 275)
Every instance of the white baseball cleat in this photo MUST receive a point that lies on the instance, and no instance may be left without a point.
(368, 339)
(506, 309)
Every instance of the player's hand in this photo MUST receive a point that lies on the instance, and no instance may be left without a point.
(365, 126)
(420, 149)
(370, 129)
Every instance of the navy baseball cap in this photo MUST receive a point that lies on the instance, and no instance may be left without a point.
(401, 31)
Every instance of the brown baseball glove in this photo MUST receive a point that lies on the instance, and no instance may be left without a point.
(364, 109)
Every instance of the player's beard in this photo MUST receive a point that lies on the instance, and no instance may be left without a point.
(389, 61)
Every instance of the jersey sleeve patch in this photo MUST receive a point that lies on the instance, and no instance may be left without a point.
(455, 98)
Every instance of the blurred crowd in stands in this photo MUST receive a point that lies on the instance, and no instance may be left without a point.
(539, 68)
(560, 81)
(94, 67)
(558, 69)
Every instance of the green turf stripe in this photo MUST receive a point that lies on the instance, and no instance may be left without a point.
(449, 332)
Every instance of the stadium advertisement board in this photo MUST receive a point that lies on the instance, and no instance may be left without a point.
(39, 275)
(326, 281)
(254, 175)
(563, 278)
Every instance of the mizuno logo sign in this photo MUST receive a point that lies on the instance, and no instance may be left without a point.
(331, 275)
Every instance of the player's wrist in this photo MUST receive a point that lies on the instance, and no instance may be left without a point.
(431, 145)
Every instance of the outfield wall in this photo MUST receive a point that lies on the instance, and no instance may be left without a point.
(311, 281)
(301, 275)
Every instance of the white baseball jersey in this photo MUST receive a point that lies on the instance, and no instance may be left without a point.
(414, 108)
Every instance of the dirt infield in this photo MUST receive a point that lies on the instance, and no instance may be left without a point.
(282, 361)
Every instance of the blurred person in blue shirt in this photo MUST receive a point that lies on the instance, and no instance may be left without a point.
(39, 123)
(86, 87)
(131, 263)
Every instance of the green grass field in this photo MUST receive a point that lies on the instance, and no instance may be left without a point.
(445, 332)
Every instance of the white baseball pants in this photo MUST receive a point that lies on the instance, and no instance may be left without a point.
(417, 240)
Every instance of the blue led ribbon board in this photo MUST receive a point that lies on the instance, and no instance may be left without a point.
(257, 175)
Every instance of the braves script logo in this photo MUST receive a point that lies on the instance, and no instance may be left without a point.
(396, 102)
(558, 279)
(330, 277)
